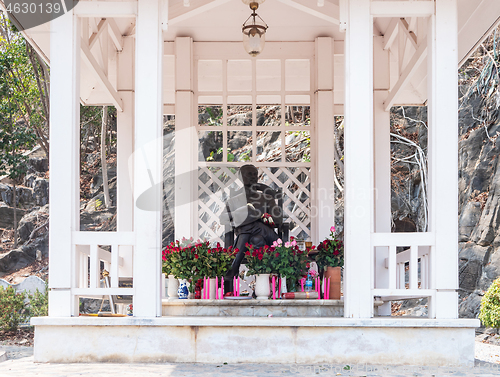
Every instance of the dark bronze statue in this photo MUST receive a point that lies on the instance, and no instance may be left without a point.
(244, 211)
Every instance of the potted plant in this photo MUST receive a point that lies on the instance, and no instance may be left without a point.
(260, 263)
(167, 269)
(289, 262)
(330, 259)
(213, 262)
(183, 255)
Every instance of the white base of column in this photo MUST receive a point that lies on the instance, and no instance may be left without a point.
(281, 340)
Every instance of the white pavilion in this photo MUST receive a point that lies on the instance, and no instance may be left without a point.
(351, 58)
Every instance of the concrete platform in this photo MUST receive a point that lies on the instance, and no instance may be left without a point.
(282, 340)
(255, 308)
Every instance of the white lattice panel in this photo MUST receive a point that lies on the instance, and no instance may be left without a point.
(214, 184)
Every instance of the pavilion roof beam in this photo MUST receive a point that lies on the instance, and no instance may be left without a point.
(197, 11)
(391, 33)
(405, 78)
(411, 36)
(330, 8)
(101, 76)
(402, 8)
(115, 35)
(100, 29)
(106, 9)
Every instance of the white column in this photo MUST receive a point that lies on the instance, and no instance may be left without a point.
(125, 177)
(358, 161)
(148, 159)
(64, 193)
(325, 185)
(125, 149)
(382, 165)
(443, 156)
(186, 180)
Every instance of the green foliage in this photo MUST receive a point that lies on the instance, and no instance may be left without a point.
(17, 308)
(39, 303)
(330, 252)
(489, 312)
(24, 86)
(13, 310)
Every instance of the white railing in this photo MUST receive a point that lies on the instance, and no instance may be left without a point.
(418, 254)
(90, 252)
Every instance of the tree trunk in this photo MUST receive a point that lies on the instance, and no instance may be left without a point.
(107, 201)
(15, 215)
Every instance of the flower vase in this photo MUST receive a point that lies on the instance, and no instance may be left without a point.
(262, 289)
(173, 286)
(334, 274)
(183, 289)
(283, 285)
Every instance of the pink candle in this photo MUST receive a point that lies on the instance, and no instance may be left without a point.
(279, 288)
(222, 288)
(302, 281)
(208, 288)
(204, 287)
(328, 289)
(234, 285)
(319, 288)
(238, 287)
(274, 288)
(216, 288)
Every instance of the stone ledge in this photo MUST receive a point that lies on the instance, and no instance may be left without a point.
(257, 322)
(254, 302)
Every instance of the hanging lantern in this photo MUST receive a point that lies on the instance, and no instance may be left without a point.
(254, 31)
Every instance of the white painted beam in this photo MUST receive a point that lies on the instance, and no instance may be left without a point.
(196, 11)
(89, 59)
(324, 201)
(408, 72)
(358, 188)
(106, 9)
(64, 192)
(95, 36)
(391, 33)
(443, 156)
(410, 35)
(148, 172)
(402, 8)
(186, 139)
(332, 18)
(115, 35)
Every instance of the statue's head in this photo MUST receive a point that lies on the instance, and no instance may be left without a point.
(249, 174)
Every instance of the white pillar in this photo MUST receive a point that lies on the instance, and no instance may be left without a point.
(186, 175)
(125, 177)
(358, 153)
(443, 156)
(64, 193)
(325, 185)
(382, 165)
(148, 159)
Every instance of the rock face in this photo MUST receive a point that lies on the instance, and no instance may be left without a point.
(479, 210)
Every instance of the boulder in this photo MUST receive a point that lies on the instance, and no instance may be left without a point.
(39, 164)
(41, 191)
(7, 216)
(25, 255)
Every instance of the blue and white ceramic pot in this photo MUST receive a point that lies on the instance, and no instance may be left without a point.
(183, 289)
